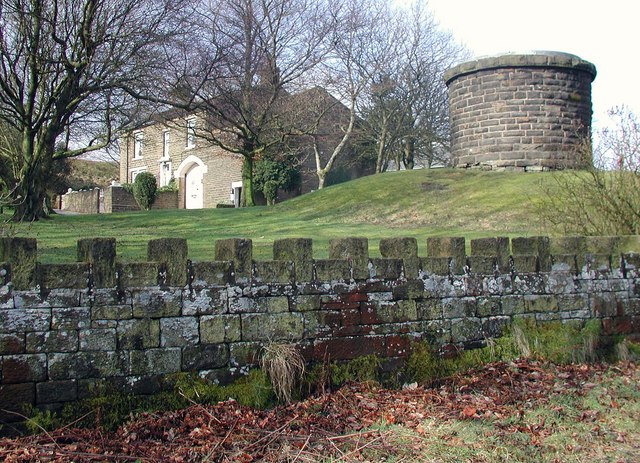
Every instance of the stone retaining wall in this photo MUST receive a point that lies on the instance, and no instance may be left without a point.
(64, 328)
(115, 199)
(528, 111)
(82, 202)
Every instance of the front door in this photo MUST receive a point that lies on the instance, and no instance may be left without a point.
(193, 188)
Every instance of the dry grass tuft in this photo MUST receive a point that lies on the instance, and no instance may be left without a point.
(285, 367)
(521, 341)
(622, 351)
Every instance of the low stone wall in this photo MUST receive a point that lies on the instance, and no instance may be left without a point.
(65, 328)
(82, 202)
(117, 199)
(166, 200)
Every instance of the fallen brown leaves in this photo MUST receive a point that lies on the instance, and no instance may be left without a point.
(338, 424)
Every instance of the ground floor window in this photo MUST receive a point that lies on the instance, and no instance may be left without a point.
(236, 193)
(134, 174)
(165, 173)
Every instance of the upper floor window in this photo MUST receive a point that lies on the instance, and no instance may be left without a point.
(138, 142)
(191, 132)
(165, 144)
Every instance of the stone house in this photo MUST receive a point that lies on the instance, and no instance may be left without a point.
(206, 175)
(172, 148)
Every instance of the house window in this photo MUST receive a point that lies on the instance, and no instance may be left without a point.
(165, 144)
(165, 173)
(138, 141)
(191, 132)
(135, 172)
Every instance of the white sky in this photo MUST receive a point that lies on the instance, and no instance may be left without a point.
(606, 33)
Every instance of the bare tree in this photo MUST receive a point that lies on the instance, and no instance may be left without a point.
(70, 75)
(253, 53)
(602, 198)
(407, 108)
(385, 115)
(384, 103)
(386, 67)
(355, 56)
(432, 51)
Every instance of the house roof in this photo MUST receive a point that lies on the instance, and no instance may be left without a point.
(303, 106)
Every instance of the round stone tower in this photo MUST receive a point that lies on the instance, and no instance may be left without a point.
(525, 111)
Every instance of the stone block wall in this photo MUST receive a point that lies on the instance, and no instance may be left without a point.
(114, 199)
(117, 199)
(82, 202)
(166, 200)
(65, 328)
(520, 111)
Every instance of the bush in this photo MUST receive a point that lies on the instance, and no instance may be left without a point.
(128, 187)
(275, 173)
(270, 191)
(603, 198)
(170, 187)
(144, 190)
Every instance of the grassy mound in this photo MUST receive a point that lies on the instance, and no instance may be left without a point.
(418, 203)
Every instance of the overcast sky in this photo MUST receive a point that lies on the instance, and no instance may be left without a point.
(605, 33)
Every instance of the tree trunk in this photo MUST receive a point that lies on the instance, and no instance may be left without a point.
(30, 193)
(381, 150)
(408, 158)
(430, 155)
(29, 196)
(322, 176)
(246, 198)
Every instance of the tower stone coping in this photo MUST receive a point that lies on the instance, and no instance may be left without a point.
(525, 59)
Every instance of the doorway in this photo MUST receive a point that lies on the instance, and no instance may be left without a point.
(194, 198)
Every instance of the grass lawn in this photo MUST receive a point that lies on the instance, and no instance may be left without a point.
(420, 203)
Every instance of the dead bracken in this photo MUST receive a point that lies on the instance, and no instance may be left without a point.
(344, 425)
